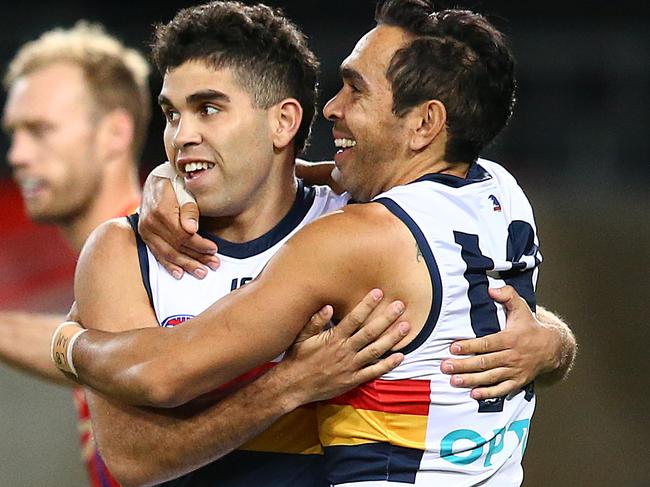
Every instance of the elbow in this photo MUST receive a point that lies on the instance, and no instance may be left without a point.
(160, 386)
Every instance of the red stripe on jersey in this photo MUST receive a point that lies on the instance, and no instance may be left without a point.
(236, 383)
(407, 396)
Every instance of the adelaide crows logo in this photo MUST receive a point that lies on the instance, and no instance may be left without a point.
(175, 320)
(495, 203)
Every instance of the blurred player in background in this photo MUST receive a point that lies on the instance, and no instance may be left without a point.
(77, 113)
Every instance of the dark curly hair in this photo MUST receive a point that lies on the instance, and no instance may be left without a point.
(267, 53)
(456, 57)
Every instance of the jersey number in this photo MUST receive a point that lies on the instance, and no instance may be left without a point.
(483, 311)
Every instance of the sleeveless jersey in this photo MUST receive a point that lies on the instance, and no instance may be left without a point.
(411, 426)
(289, 452)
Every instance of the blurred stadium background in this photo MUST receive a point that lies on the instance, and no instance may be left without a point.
(578, 144)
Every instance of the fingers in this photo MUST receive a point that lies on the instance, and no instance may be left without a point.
(170, 232)
(377, 324)
(209, 260)
(173, 261)
(321, 319)
(355, 318)
(488, 378)
(510, 299)
(378, 369)
(499, 390)
(199, 244)
(486, 344)
(189, 216)
(316, 324)
(478, 363)
(382, 345)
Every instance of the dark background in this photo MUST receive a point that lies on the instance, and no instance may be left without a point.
(578, 144)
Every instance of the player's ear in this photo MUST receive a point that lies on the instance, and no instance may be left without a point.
(426, 121)
(286, 117)
(115, 132)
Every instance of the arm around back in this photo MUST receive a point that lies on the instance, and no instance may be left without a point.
(248, 327)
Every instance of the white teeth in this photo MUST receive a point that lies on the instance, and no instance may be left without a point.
(198, 166)
(344, 143)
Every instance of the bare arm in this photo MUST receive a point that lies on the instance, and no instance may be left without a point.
(531, 348)
(317, 173)
(25, 343)
(169, 367)
(144, 445)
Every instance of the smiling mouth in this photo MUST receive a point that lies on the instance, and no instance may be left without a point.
(191, 170)
(344, 144)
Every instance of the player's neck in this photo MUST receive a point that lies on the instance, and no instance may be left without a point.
(119, 193)
(427, 162)
(270, 203)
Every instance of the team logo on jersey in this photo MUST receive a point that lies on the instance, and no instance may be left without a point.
(172, 321)
(495, 203)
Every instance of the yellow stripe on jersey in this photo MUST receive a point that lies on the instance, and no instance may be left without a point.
(345, 425)
(296, 432)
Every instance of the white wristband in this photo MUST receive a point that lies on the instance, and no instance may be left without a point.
(166, 170)
(61, 347)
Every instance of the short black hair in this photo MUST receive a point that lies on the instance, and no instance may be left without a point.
(267, 52)
(459, 58)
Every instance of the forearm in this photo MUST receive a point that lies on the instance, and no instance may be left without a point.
(143, 446)
(128, 366)
(25, 343)
(317, 173)
(163, 367)
(565, 347)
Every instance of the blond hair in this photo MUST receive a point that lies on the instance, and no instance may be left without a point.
(116, 75)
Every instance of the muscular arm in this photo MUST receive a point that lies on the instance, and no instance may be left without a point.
(171, 367)
(144, 445)
(25, 343)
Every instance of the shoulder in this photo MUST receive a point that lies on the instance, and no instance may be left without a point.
(496, 170)
(503, 177)
(349, 235)
(110, 239)
(356, 218)
(110, 247)
(108, 284)
(515, 195)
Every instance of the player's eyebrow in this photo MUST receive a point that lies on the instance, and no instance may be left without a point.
(352, 75)
(196, 98)
(164, 101)
(207, 95)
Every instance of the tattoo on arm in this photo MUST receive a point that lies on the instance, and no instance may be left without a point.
(418, 252)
